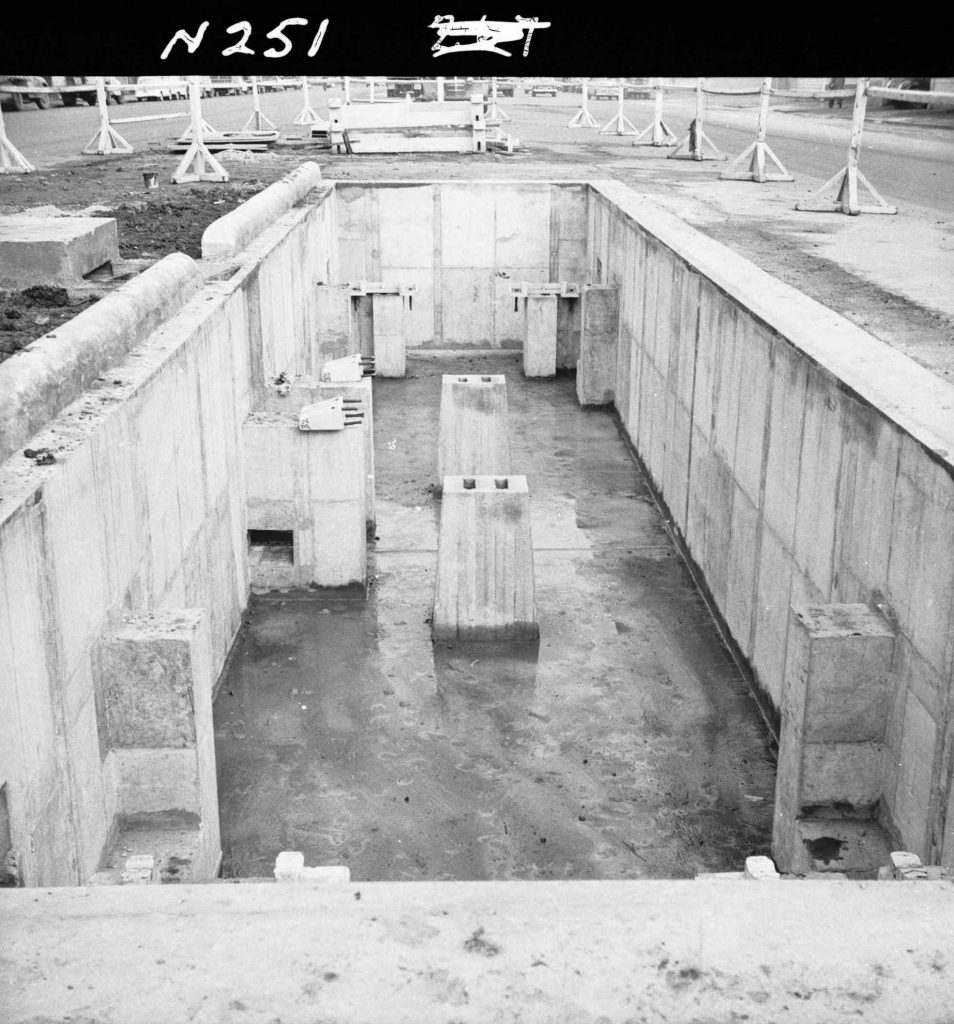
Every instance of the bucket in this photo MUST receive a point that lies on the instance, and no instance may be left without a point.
(150, 179)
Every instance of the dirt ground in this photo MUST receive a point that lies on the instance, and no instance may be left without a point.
(756, 222)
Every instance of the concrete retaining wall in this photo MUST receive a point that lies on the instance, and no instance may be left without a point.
(143, 509)
(462, 244)
(54, 370)
(804, 462)
(287, 263)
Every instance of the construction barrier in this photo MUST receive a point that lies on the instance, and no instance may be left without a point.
(583, 118)
(657, 133)
(619, 124)
(692, 146)
(846, 181)
(198, 164)
(12, 161)
(759, 152)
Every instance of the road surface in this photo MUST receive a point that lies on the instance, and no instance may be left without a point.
(906, 163)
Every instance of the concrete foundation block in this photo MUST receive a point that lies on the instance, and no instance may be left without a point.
(359, 395)
(140, 869)
(836, 695)
(540, 338)
(485, 584)
(390, 336)
(474, 427)
(596, 368)
(289, 865)
(154, 681)
(307, 490)
(760, 869)
(54, 250)
(906, 867)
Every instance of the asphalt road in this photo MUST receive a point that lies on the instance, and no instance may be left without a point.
(906, 161)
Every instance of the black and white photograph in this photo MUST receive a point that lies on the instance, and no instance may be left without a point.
(476, 524)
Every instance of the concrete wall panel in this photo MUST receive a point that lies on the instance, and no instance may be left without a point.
(820, 469)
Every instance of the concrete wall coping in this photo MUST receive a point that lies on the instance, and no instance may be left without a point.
(914, 398)
(43, 378)
(418, 182)
(587, 951)
(71, 427)
(231, 234)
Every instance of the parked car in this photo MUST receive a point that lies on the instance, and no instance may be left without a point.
(464, 88)
(161, 87)
(114, 92)
(18, 100)
(923, 84)
(638, 89)
(604, 89)
(399, 88)
(505, 86)
(229, 85)
(547, 88)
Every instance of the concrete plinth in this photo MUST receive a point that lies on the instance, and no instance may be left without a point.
(485, 588)
(154, 711)
(540, 338)
(474, 427)
(389, 334)
(596, 368)
(306, 390)
(54, 250)
(311, 485)
(835, 702)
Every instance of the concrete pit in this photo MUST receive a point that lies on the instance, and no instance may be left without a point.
(625, 744)
(172, 526)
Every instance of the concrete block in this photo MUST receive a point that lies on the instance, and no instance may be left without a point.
(760, 869)
(389, 334)
(313, 486)
(140, 869)
(845, 654)
(147, 688)
(834, 710)
(596, 368)
(155, 674)
(540, 339)
(474, 437)
(485, 585)
(289, 865)
(358, 394)
(54, 250)
(842, 773)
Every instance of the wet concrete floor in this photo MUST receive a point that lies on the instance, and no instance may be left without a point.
(625, 744)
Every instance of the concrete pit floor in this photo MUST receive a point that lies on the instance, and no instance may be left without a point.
(626, 744)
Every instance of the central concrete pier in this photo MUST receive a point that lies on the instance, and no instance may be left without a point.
(485, 561)
(474, 435)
